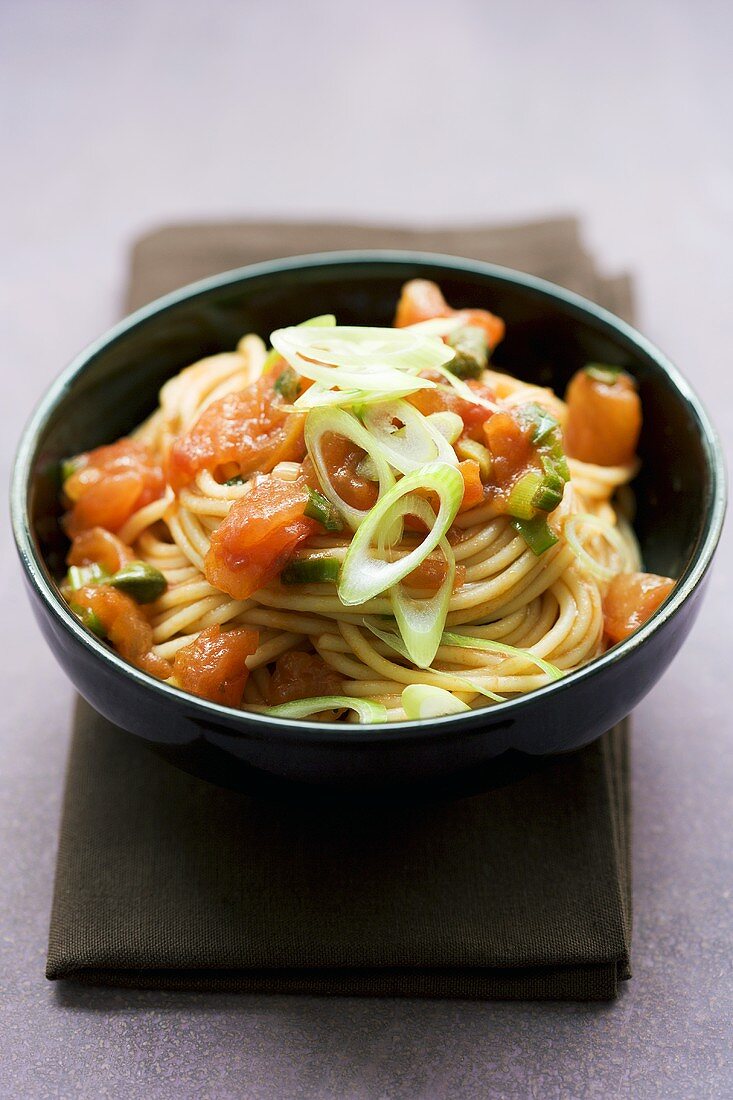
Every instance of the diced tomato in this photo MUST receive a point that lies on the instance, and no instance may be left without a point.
(630, 600)
(604, 419)
(124, 624)
(110, 484)
(258, 536)
(421, 300)
(473, 489)
(250, 428)
(492, 325)
(342, 457)
(97, 545)
(445, 399)
(430, 574)
(512, 452)
(213, 666)
(301, 675)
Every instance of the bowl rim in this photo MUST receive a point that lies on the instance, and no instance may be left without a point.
(264, 726)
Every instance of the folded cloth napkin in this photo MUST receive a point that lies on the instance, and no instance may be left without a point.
(164, 881)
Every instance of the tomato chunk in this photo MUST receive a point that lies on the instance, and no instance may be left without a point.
(258, 536)
(473, 489)
(342, 457)
(512, 452)
(299, 675)
(125, 625)
(109, 484)
(630, 600)
(213, 666)
(446, 399)
(97, 545)
(250, 428)
(604, 418)
(422, 300)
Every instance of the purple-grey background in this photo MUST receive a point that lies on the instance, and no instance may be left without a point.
(119, 117)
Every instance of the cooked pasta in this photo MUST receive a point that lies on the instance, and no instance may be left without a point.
(285, 560)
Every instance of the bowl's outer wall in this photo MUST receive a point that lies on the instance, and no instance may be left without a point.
(547, 340)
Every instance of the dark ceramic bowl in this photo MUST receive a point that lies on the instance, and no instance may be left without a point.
(550, 334)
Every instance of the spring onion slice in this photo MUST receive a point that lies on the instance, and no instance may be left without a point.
(322, 421)
(467, 642)
(424, 701)
(395, 642)
(611, 535)
(364, 575)
(414, 444)
(317, 396)
(449, 424)
(421, 621)
(361, 358)
(463, 390)
(536, 532)
(367, 711)
(311, 571)
(520, 502)
(324, 320)
(437, 326)
(81, 575)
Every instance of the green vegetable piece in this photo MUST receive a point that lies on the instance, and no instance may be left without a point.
(536, 533)
(311, 571)
(69, 466)
(143, 582)
(601, 373)
(520, 502)
(287, 384)
(89, 619)
(81, 575)
(472, 351)
(547, 497)
(236, 480)
(323, 511)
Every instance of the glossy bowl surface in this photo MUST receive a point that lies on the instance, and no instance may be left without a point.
(551, 332)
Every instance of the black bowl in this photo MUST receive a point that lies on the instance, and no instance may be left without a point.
(550, 333)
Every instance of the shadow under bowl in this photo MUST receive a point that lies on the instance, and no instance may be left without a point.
(551, 333)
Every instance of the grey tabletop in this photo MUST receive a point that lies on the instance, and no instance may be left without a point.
(120, 117)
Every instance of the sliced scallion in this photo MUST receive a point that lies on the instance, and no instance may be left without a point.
(321, 509)
(520, 502)
(90, 619)
(311, 571)
(324, 320)
(421, 621)
(449, 424)
(69, 466)
(287, 384)
(367, 711)
(536, 532)
(321, 422)
(411, 445)
(470, 448)
(364, 574)
(424, 701)
(369, 359)
(601, 373)
(81, 575)
(467, 642)
(471, 351)
(395, 642)
(140, 580)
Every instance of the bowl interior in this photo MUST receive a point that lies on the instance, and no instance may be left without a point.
(548, 338)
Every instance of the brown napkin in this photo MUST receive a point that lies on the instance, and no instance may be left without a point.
(166, 882)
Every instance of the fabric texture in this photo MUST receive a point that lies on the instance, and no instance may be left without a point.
(166, 882)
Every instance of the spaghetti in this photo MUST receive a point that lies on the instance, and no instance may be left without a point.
(288, 484)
